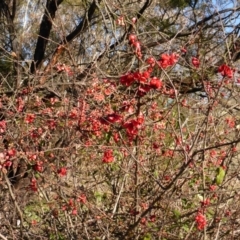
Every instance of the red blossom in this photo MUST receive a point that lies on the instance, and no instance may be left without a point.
(51, 123)
(143, 221)
(183, 50)
(73, 114)
(116, 137)
(38, 167)
(62, 171)
(20, 104)
(134, 20)
(7, 163)
(205, 202)
(132, 38)
(195, 62)
(74, 211)
(3, 126)
(168, 60)
(133, 126)
(111, 118)
(120, 21)
(127, 79)
(11, 152)
(108, 156)
(82, 198)
(152, 218)
(137, 47)
(33, 185)
(226, 71)
(213, 153)
(200, 221)
(64, 68)
(143, 89)
(230, 122)
(151, 61)
(141, 77)
(30, 118)
(156, 83)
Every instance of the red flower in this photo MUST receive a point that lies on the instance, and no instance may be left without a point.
(38, 167)
(82, 198)
(151, 61)
(127, 79)
(200, 221)
(205, 202)
(108, 156)
(11, 152)
(64, 68)
(226, 71)
(133, 126)
(132, 38)
(62, 171)
(74, 211)
(33, 185)
(168, 60)
(120, 21)
(195, 62)
(134, 20)
(51, 124)
(137, 47)
(183, 50)
(111, 118)
(143, 221)
(3, 126)
(153, 218)
(156, 83)
(143, 89)
(30, 118)
(141, 77)
(230, 122)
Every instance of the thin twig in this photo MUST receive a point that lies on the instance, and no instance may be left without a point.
(2, 237)
(14, 198)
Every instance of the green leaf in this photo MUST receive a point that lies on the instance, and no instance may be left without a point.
(220, 176)
(176, 213)
(108, 136)
(147, 237)
(185, 227)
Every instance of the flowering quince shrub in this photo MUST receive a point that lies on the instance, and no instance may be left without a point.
(125, 154)
(136, 156)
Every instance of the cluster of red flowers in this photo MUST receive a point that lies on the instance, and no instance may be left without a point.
(133, 41)
(133, 126)
(146, 82)
(6, 158)
(30, 117)
(230, 122)
(33, 185)
(226, 71)
(168, 60)
(62, 171)
(195, 62)
(108, 156)
(205, 203)
(38, 167)
(70, 206)
(64, 68)
(201, 221)
(111, 118)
